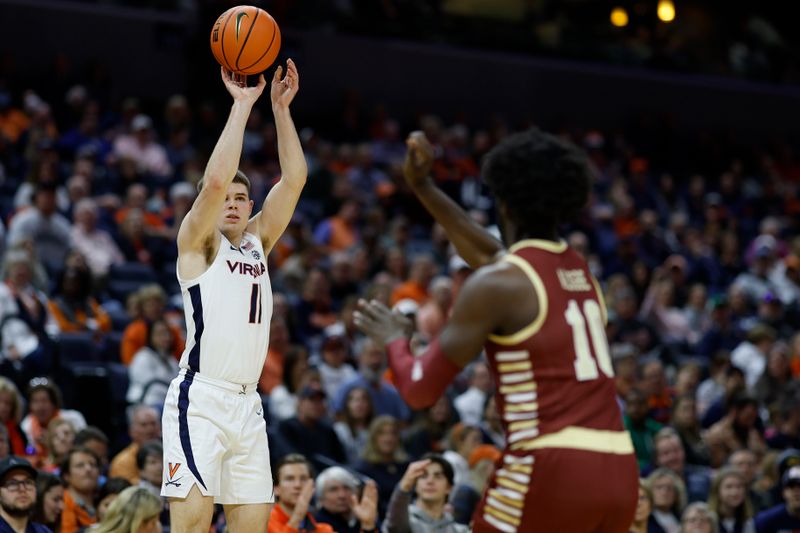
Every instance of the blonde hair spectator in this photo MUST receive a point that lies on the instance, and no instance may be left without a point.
(136, 510)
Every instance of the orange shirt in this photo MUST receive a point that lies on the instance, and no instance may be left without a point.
(78, 322)
(410, 289)
(124, 464)
(278, 523)
(135, 337)
(74, 517)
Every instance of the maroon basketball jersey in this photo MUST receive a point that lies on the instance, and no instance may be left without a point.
(567, 454)
(555, 373)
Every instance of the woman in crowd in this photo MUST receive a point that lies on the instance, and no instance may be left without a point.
(49, 501)
(11, 414)
(687, 424)
(296, 373)
(153, 367)
(642, 518)
(135, 510)
(353, 426)
(108, 493)
(72, 305)
(463, 440)
(728, 499)
(60, 440)
(429, 432)
(384, 459)
(698, 518)
(44, 404)
(669, 500)
(150, 302)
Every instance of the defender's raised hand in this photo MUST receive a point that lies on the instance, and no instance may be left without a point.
(419, 159)
(241, 93)
(379, 322)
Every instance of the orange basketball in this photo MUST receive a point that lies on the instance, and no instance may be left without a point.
(245, 40)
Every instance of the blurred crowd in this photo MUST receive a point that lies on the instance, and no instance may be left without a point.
(694, 242)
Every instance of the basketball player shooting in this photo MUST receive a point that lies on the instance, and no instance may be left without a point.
(568, 464)
(215, 440)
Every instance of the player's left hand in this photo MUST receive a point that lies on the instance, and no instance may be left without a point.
(283, 90)
(379, 322)
(366, 510)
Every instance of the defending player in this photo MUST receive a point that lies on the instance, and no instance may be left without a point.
(215, 441)
(568, 463)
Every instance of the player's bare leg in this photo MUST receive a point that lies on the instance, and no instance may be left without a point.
(248, 518)
(191, 514)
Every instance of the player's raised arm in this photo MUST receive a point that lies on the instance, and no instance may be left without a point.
(201, 220)
(474, 243)
(282, 199)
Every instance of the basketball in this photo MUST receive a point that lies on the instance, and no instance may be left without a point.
(245, 40)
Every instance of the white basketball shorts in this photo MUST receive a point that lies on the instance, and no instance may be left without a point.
(215, 437)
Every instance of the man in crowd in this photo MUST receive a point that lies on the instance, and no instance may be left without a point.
(784, 517)
(339, 505)
(294, 487)
(144, 426)
(18, 496)
(670, 454)
(432, 480)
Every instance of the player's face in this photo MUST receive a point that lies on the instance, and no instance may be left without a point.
(336, 497)
(433, 486)
(291, 479)
(236, 210)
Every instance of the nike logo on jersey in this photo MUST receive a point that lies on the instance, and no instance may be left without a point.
(246, 269)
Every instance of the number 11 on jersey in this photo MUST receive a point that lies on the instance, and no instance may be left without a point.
(585, 365)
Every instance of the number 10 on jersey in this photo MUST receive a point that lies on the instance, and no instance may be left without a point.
(585, 365)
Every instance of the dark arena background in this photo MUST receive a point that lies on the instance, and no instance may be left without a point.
(689, 113)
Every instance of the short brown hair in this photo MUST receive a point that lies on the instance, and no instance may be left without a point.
(293, 459)
(240, 177)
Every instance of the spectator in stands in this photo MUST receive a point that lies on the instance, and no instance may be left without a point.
(136, 510)
(696, 480)
(138, 243)
(736, 431)
(787, 426)
(151, 301)
(314, 309)
(18, 496)
(655, 386)
(430, 429)
(352, 428)
(144, 426)
(140, 146)
(72, 305)
(296, 373)
(371, 369)
(641, 427)
(11, 415)
(733, 386)
(470, 403)
(465, 497)
(751, 355)
(49, 501)
(786, 516)
(25, 324)
(463, 440)
(728, 499)
(60, 440)
(333, 367)
(44, 403)
(722, 334)
(698, 518)
(80, 470)
(49, 230)
(383, 459)
(755, 282)
(687, 424)
(93, 438)
(309, 434)
(339, 232)
(108, 493)
(642, 518)
(422, 271)
(746, 463)
(5, 447)
(431, 479)
(279, 343)
(341, 506)
(777, 377)
(94, 243)
(669, 499)
(150, 462)
(294, 488)
(153, 367)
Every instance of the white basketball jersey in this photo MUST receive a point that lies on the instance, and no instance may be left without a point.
(228, 310)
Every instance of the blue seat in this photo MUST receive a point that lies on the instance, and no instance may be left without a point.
(78, 348)
(133, 271)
